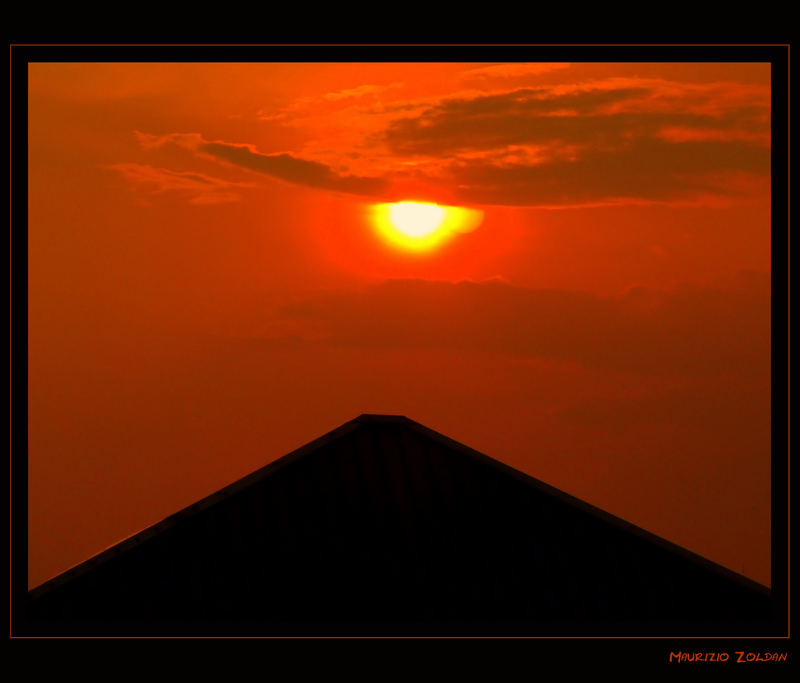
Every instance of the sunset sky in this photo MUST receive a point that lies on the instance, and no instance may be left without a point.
(213, 283)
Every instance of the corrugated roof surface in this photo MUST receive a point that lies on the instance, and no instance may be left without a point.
(386, 527)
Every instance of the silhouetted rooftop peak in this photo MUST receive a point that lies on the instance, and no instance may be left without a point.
(383, 501)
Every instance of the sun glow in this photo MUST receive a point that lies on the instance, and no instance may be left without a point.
(422, 226)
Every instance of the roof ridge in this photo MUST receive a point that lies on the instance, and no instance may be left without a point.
(594, 511)
(341, 431)
(190, 510)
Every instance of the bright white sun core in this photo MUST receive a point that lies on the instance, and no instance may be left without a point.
(422, 226)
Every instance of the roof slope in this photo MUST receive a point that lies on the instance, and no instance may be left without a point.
(385, 526)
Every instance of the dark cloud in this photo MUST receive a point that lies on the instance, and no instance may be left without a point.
(644, 169)
(544, 116)
(691, 330)
(515, 118)
(549, 147)
(293, 170)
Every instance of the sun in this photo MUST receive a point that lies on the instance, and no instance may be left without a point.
(415, 219)
(422, 226)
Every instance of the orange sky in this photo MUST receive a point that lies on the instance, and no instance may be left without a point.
(207, 291)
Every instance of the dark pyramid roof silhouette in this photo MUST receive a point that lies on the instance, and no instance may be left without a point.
(386, 527)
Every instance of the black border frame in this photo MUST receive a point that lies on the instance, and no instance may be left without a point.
(777, 55)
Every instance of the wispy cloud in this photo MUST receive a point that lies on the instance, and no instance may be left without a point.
(506, 71)
(305, 105)
(360, 91)
(195, 188)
